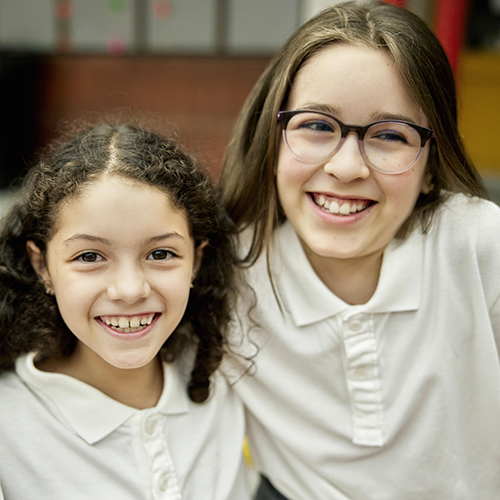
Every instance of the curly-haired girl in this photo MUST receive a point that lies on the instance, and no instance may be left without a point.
(116, 273)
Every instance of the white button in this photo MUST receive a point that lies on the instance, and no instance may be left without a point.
(150, 425)
(355, 325)
(163, 484)
(363, 373)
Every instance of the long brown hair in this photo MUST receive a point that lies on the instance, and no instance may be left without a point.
(248, 182)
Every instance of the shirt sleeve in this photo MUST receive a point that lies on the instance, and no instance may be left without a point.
(474, 225)
(495, 323)
(488, 231)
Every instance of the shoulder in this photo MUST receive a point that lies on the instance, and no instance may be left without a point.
(466, 237)
(17, 402)
(464, 221)
(470, 213)
(7, 380)
(11, 386)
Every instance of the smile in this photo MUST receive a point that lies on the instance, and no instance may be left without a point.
(131, 324)
(337, 206)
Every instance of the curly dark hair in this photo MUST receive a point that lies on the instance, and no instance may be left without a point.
(29, 317)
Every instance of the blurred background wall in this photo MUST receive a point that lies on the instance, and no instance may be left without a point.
(188, 65)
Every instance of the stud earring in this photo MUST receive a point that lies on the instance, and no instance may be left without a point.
(48, 289)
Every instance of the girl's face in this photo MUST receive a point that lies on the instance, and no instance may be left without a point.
(120, 264)
(358, 86)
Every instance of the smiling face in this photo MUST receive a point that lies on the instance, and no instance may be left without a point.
(358, 86)
(120, 264)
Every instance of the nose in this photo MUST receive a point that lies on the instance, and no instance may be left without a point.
(129, 284)
(348, 164)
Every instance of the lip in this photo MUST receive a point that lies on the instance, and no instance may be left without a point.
(339, 219)
(339, 197)
(128, 335)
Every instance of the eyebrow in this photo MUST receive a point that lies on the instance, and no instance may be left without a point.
(105, 241)
(322, 107)
(375, 117)
(392, 116)
(166, 236)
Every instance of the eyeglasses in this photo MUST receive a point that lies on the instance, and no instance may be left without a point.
(388, 146)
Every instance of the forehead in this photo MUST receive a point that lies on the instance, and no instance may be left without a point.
(119, 204)
(356, 82)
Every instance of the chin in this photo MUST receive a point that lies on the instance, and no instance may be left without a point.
(131, 362)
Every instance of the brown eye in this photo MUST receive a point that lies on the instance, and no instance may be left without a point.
(161, 255)
(89, 257)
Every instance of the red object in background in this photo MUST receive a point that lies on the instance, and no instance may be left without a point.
(450, 27)
(399, 3)
(162, 9)
(64, 9)
(117, 45)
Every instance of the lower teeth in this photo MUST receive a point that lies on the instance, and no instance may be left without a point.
(128, 330)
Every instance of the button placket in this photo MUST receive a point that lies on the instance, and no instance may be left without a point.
(363, 379)
(165, 485)
(150, 424)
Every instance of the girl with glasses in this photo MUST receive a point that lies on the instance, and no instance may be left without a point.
(373, 312)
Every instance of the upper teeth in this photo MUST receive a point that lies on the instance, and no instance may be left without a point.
(345, 208)
(134, 322)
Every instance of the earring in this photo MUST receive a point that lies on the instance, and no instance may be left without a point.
(48, 289)
(191, 285)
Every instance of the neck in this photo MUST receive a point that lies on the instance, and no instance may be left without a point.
(352, 280)
(137, 387)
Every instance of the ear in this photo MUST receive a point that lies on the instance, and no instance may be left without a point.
(38, 261)
(198, 256)
(427, 185)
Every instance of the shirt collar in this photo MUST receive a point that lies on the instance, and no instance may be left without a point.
(307, 298)
(91, 414)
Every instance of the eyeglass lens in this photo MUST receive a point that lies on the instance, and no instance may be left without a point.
(388, 146)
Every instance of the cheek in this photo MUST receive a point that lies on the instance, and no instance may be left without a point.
(75, 298)
(291, 174)
(177, 292)
(174, 287)
(402, 191)
(176, 299)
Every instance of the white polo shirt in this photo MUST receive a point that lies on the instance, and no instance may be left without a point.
(395, 399)
(63, 439)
